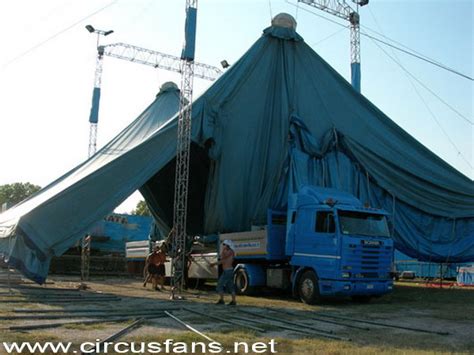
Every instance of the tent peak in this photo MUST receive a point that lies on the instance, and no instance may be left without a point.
(168, 86)
(284, 20)
(283, 27)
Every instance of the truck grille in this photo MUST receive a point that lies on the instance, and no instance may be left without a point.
(368, 260)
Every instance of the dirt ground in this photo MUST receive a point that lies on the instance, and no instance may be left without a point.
(305, 329)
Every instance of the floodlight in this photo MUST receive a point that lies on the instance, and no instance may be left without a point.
(225, 64)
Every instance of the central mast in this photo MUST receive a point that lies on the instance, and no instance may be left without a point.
(179, 239)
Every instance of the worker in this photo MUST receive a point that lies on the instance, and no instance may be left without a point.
(155, 268)
(226, 280)
(168, 242)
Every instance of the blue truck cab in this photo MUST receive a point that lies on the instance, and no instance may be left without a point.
(327, 244)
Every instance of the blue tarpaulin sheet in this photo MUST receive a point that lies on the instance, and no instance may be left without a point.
(466, 276)
(94, 115)
(110, 234)
(190, 34)
(278, 119)
(355, 76)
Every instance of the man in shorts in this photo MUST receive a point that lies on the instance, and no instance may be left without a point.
(226, 280)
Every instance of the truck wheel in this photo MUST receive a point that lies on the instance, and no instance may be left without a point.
(308, 287)
(241, 282)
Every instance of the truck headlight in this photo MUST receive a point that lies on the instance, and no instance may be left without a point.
(346, 275)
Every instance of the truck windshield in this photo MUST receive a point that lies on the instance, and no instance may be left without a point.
(352, 222)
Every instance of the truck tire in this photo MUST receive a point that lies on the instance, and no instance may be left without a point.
(308, 288)
(242, 284)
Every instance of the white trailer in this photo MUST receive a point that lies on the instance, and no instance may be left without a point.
(136, 253)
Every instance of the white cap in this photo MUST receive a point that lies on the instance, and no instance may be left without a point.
(229, 243)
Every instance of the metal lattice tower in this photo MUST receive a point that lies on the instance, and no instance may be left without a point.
(342, 10)
(85, 257)
(354, 19)
(92, 139)
(184, 65)
(94, 114)
(93, 120)
(179, 242)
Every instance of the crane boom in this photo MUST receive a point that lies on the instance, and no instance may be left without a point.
(157, 59)
(334, 7)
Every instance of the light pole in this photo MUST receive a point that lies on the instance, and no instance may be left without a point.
(94, 114)
(93, 120)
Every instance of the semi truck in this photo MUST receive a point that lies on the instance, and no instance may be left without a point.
(326, 244)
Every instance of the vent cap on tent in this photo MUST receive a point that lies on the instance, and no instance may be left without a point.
(284, 20)
(168, 86)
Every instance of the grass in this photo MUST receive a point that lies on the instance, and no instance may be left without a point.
(448, 304)
(36, 336)
(287, 345)
(409, 304)
(295, 346)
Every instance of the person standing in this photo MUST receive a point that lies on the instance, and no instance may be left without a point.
(226, 280)
(155, 268)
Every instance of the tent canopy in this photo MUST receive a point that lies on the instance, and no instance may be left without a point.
(52, 220)
(278, 119)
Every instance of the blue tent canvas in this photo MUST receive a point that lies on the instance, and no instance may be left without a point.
(52, 220)
(278, 119)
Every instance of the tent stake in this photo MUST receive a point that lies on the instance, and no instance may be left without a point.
(189, 327)
(287, 322)
(385, 324)
(318, 319)
(115, 336)
(289, 327)
(221, 319)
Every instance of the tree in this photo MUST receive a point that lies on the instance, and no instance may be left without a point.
(16, 192)
(141, 209)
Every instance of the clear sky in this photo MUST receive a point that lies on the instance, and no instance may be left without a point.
(47, 63)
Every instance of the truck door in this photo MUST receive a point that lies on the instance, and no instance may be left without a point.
(318, 244)
(324, 243)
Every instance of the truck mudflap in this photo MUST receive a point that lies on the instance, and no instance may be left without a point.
(352, 288)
